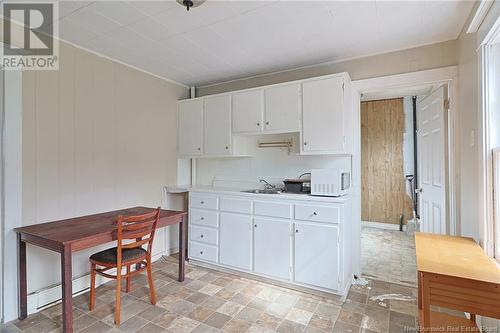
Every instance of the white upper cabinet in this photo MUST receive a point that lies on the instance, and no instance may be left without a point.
(247, 111)
(217, 136)
(190, 127)
(219, 125)
(323, 116)
(282, 108)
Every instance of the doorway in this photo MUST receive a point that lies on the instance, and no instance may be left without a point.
(403, 177)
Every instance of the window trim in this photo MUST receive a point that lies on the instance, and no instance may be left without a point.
(489, 164)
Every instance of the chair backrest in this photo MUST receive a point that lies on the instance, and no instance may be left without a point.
(140, 228)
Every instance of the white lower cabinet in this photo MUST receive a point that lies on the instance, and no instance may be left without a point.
(235, 240)
(317, 255)
(203, 252)
(272, 248)
(300, 242)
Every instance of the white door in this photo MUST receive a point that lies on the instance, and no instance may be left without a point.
(247, 111)
(272, 248)
(217, 125)
(235, 240)
(282, 108)
(317, 255)
(323, 115)
(431, 162)
(190, 127)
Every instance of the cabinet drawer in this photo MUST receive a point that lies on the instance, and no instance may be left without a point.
(317, 213)
(203, 252)
(204, 235)
(236, 205)
(274, 209)
(206, 218)
(204, 201)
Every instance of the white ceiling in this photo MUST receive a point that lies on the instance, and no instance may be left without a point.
(224, 40)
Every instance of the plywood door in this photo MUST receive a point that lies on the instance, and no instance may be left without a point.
(383, 192)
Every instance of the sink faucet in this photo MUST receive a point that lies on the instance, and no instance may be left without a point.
(267, 185)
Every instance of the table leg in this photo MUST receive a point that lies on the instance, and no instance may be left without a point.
(23, 291)
(182, 249)
(419, 290)
(67, 290)
(426, 304)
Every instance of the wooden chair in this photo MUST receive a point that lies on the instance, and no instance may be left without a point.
(141, 229)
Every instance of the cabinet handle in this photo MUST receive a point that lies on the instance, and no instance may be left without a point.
(201, 236)
(227, 147)
(296, 231)
(255, 225)
(258, 124)
(201, 252)
(314, 213)
(267, 123)
(201, 202)
(202, 218)
(198, 148)
(305, 143)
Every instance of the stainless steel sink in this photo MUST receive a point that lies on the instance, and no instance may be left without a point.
(259, 191)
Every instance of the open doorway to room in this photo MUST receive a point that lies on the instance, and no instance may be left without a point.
(403, 177)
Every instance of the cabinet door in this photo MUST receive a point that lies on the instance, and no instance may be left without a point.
(217, 125)
(272, 248)
(190, 127)
(247, 111)
(317, 255)
(235, 240)
(323, 115)
(282, 108)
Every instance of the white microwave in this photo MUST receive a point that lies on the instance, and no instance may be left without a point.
(330, 182)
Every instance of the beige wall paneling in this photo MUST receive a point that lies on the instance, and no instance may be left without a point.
(383, 193)
(97, 136)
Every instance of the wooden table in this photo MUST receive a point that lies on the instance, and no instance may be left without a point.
(455, 273)
(79, 233)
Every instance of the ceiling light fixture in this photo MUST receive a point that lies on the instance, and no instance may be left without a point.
(190, 3)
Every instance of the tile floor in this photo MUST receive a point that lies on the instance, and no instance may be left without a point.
(388, 255)
(209, 301)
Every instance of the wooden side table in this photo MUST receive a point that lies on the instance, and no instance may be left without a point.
(454, 273)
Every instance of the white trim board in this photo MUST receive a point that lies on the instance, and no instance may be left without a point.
(479, 15)
(47, 297)
(380, 225)
(12, 187)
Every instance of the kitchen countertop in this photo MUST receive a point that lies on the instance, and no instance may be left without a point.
(237, 191)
